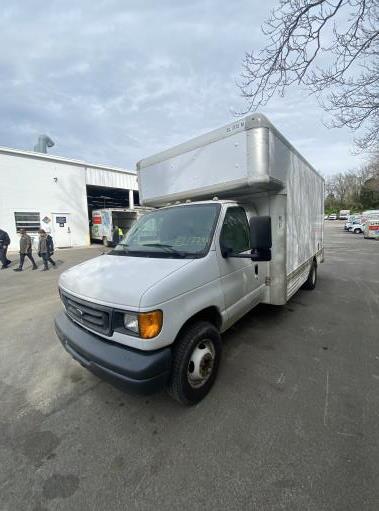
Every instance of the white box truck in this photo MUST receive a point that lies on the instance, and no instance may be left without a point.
(344, 214)
(239, 222)
(104, 221)
(371, 226)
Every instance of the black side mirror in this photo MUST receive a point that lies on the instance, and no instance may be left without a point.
(226, 251)
(260, 238)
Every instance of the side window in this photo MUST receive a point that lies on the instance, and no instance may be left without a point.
(235, 231)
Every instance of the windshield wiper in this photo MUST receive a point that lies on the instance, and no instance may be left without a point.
(121, 251)
(169, 248)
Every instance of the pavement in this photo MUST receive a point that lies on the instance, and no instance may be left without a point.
(292, 422)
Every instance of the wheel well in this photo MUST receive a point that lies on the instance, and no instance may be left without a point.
(210, 314)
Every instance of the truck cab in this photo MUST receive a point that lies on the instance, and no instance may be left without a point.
(195, 266)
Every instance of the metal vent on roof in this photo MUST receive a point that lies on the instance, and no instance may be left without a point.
(44, 141)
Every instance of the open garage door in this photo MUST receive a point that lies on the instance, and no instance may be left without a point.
(99, 197)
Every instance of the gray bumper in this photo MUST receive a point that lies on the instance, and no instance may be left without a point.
(143, 372)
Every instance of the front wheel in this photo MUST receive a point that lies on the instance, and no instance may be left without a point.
(196, 358)
(311, 281)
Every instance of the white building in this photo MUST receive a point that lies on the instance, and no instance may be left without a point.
(40, 190)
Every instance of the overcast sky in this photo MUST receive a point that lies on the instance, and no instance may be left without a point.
(114, 81)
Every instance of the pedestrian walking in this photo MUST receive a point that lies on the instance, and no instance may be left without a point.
(4, 243)
(25, 250)
(45, 249)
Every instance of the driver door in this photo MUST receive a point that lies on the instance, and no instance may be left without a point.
(239, 277)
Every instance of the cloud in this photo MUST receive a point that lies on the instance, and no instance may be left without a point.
(113, 82)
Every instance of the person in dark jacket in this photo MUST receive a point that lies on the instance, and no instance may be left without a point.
(25, 250)
(4, 243)
(45, 249)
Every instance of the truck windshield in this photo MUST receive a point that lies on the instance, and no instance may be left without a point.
(178, 232)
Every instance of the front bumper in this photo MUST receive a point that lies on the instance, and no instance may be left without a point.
(143, 372)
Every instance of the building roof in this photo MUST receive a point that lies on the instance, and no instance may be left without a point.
(59, 159)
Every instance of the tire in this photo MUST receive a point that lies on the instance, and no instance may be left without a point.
(311, 281)
(196, 359)
(357, 231)
(106, 242)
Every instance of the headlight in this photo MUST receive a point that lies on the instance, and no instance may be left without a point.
(131, 322)
(145, 324)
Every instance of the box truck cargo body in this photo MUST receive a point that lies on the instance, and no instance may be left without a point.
(371, 226)
(239, 222)
(249, 161)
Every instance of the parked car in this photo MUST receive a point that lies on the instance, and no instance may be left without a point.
(332, 217)
(150, 313)
(356, 227)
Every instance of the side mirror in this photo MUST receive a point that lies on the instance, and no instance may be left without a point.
(260, 238)
(226, 251)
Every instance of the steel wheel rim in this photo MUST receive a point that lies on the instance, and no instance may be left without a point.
(201, 363)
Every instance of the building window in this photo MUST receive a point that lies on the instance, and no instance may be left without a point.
(31, 222)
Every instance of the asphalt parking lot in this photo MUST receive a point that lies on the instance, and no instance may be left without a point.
(292, 422)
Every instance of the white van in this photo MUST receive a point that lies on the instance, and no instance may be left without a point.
(240, 222)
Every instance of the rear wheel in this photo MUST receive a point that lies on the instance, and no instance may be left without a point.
(357, 231)
(196, 358)
(106, 242)
(311, 281)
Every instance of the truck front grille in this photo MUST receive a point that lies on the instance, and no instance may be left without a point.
(90, 315)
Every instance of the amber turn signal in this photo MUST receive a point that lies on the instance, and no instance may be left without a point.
(150, 324)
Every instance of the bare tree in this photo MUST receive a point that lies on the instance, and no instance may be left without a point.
(356, 189)
(340, 187)
(331, 47)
